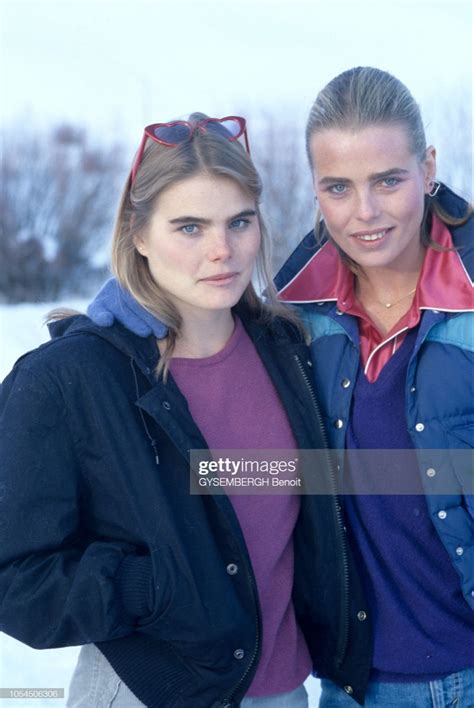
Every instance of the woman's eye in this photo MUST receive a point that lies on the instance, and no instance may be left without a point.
(338, 188)
(390, 181)
(239, 223)
(189, 229)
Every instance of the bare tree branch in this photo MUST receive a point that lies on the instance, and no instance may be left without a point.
(57, 201)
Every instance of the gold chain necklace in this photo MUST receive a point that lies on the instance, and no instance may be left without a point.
(388, 305)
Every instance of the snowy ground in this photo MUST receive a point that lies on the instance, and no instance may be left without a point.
(21, 329)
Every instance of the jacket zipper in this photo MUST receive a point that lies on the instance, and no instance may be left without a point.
(344, 636)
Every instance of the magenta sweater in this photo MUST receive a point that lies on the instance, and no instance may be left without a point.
(235, 405)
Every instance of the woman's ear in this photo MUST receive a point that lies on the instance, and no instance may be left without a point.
(429, 167)
(140, 245)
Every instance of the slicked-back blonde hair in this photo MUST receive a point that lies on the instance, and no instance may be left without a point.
(364, 96)
(207, 153)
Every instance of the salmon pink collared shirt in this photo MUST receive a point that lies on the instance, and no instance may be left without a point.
(443, 285)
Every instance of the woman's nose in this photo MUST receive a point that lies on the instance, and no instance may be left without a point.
(368, 207)
(219, 248)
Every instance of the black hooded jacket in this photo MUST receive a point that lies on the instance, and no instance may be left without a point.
(102, 542)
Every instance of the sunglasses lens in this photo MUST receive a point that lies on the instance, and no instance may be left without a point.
(229, 128)
(172, 134)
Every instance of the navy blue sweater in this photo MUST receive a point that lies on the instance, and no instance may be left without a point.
(423, 626)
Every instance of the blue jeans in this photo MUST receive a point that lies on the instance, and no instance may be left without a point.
(454, 691)
(293, 699)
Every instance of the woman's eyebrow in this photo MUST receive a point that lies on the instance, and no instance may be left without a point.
(242, 214)
(206, 222)
(188, 219)
(331, 180)
(389, 173)
(376, 175)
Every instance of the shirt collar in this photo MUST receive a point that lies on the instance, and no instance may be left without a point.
(443, 284)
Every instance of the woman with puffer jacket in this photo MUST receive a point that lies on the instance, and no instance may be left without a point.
(385, 287)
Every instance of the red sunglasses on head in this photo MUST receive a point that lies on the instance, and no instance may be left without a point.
(179, 131)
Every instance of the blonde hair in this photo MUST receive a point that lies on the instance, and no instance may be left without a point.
(161, 166)
(364, 96)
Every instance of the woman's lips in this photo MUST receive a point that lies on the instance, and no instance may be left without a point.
(372, 236)
(220, 279)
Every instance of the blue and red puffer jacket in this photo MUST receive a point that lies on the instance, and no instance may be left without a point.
(439, 391)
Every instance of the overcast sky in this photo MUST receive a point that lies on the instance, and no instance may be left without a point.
(119, 64)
